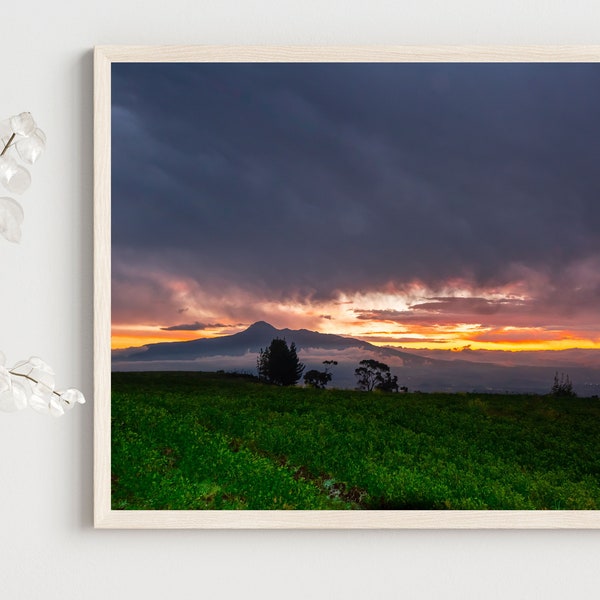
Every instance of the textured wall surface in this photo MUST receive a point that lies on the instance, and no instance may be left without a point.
(48, 547)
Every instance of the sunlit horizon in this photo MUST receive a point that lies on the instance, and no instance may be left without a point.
(417, 318)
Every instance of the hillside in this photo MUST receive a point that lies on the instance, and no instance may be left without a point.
(209, 441)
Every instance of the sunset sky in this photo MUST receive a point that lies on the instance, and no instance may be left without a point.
(416, 205)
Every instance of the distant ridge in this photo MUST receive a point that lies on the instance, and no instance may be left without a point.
(450, 372)
(258, 335)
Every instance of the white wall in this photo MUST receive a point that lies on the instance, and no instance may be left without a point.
(48, 548)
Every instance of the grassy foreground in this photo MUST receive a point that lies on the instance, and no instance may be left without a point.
(213, 441)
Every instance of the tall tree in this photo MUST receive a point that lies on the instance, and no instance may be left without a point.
(279, 363)
(372, 374)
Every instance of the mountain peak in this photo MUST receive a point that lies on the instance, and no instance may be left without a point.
(261, 326)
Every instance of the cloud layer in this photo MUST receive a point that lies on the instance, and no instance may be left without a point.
(241, 190)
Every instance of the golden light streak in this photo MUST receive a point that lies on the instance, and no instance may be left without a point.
(419, 330)
(525, 345)
(132, 336)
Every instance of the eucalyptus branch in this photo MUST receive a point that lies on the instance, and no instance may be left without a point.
(25, 143)
(36, 381)
(29, 143)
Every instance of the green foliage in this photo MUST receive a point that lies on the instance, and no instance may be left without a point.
(209, 441)
(375, 375)
(279, 364)
(562, 388)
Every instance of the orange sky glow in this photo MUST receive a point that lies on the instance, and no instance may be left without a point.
(404, 320)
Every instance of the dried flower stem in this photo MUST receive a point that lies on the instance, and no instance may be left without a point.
(12, 137)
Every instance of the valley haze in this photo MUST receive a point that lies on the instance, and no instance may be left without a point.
(427, 371)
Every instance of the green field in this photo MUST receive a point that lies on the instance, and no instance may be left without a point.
(217, 441)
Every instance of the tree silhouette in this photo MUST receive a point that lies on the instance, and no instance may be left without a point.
(388, 383)
(279, 364)
(319, 379)
(375, 375)
(562, 387)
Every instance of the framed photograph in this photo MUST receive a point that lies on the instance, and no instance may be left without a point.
(347, 287)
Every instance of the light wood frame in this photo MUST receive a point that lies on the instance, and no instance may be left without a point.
(104, 516)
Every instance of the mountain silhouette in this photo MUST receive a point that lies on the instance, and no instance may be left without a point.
(237, 352)
(259, 335)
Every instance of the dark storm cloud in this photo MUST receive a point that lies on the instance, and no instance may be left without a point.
(469, 306)
(295, 181)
